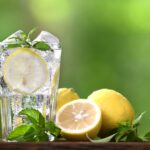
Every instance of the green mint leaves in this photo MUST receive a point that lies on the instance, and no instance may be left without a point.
(41, 46)
(146, 137)
(126, 132)
(25, 41)
(101, 140)
(34, 116)
(34, 129)
(22, 133)
(51, 127)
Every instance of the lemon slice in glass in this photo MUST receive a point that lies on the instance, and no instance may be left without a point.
(25, 71)
(79, 118)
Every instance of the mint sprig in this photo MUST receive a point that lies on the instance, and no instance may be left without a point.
(24, 40)
(126, 132)
(35, 128)
(101, 140)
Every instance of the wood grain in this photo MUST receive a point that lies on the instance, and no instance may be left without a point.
(74, 146)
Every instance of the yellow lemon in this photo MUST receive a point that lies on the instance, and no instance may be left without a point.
(25, 71)
(78, 118)
(65, 95)
(114, 106)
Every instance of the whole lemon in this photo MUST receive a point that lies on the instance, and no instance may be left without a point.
(65, 95)
(114, 106)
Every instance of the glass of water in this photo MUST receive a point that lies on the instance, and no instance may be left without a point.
(28, 79)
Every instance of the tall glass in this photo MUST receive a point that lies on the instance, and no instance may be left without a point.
(37, 95)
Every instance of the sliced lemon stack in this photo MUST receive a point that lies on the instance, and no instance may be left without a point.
(25, 71)
(79, 118)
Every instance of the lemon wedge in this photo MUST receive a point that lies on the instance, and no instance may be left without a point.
(25, 71)
(79, 118)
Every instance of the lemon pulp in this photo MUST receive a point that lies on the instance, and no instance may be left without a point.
(78, 118)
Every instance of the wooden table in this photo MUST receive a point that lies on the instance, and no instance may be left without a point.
(74, 146)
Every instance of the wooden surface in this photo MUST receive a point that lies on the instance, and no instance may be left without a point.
(74, 146)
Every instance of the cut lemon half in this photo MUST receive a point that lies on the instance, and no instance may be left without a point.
(79, 118)
(25, 71)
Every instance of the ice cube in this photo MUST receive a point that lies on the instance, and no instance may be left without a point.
(1, 46)
(49, 38)
(10, 39)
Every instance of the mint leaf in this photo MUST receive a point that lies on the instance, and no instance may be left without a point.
(28, 132)
(52, 128)
(124, 126)
(123, 129)
(41, 46)
(138, 119)
(34, 116)
(40, 133)
(147, 136)
(132, 136)
(16, 38)
(41, 136)
(22, 133)
(101, 140)
(31, 32)
(13, 45)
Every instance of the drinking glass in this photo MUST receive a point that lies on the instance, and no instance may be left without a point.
(34, 94)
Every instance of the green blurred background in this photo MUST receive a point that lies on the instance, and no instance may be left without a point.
(106, 43)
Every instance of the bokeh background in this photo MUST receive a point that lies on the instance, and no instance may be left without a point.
(106, 43)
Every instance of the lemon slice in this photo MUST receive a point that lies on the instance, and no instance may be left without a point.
(25, 71)
(79, 118)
